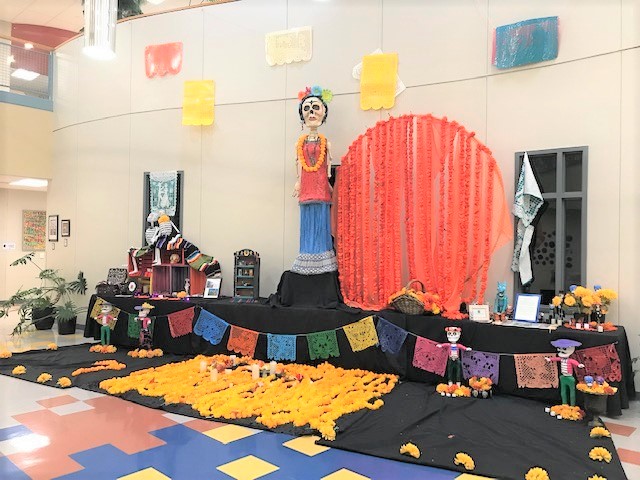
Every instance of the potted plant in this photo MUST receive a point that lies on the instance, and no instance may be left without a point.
(40, 306)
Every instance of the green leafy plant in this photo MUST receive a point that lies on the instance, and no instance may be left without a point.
(51, 299)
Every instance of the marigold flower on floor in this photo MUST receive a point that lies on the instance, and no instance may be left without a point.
(597, 432)
(52, 346)
(568, 412)
(302, 395)
(410, 449)
(142, 353)
(600, 454)
(64, 382)
(5, 354)
(99, 365)
(465, 460)
(43, 378)
(453, 390)
(19, 370)
(536, 473)
(596, 388)
(103, 349)
(596, 477)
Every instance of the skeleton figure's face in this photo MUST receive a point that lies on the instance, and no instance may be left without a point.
(313, 112)
(105, 308)
(453, 336)
(566, 352)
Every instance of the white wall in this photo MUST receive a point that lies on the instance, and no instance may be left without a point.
(112, 123)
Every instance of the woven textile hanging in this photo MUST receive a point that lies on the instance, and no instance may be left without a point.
(418, 197)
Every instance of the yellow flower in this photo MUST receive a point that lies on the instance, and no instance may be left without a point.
(410, 449)
(556, 301)
(64, 382)
(600, 454)
(52, 346)
(536, 473)
(19, 370)
(597, 432)
(596, 477)
(435, 310)
(581, 291)
(5, 354)
(587, 301)
(43, 378)
(465, 460)
(569, 301)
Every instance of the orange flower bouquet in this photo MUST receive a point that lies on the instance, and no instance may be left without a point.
(481, 387)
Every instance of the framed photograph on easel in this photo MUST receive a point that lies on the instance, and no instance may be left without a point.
(212, 287)
(479, 313)
(527, 307)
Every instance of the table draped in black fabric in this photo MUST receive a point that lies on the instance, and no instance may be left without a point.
(301, 320)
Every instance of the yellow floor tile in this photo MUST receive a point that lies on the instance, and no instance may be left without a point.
(230, 433)
(468, 476)
(306, 445)
(146, 474)
(247, 468)
(345, 474)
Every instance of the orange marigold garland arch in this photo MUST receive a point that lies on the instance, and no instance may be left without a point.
(418, 197)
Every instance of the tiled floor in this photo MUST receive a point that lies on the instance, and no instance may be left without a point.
(75, 434)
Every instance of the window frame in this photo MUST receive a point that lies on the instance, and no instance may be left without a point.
(560, 196)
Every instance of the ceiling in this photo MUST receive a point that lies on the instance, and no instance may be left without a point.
(66, 14)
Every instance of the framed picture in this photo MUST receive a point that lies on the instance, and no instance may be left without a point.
(212, 287)
(479, 313)
(527, 307)
(52, 228)
(65, 228)
(34, 230)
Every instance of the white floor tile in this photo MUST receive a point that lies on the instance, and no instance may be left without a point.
(71, 408)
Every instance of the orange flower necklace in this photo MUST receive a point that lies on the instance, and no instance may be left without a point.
(321, 158)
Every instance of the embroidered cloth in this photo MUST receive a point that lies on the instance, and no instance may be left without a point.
(163, 192)
(361, 334)
(427, 356)
(242, 340)
(133, 326)
(391, 336)
(210, 327)
(323, 344)
(281, 347)
(533, 371)
(481, 364)
(181, 323)
(599, 361)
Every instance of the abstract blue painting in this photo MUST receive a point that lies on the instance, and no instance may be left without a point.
(525, 42)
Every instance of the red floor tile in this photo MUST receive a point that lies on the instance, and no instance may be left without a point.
(203, 425)
(629, 456)
(619, 429)
(57, 401)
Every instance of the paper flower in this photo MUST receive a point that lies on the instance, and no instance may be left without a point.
(327, 95)
(43, 378)
(19, 370)
(52, 346)
(597, 432)
(5, 354)
(410, 449)
(600, 454)
(316, 90)
(464, 460)
(64, 382)
(536, 473)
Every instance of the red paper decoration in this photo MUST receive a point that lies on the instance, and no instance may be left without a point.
(163, 59)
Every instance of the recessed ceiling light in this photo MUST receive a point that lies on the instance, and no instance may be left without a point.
(29, 182)
(155, 2)
(28, 46)
(25, 74)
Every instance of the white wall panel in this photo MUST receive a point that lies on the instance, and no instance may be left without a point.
(343, 32)
(165, 92)
(242, 195)
(104, 88)
(428, 36)
(630, 23)
(65, 84)
(235, 50)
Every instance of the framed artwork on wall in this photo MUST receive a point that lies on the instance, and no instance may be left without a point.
(52, 228)
(34, 230)
(65, 228)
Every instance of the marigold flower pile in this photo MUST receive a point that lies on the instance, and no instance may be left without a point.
(99, 365)
(482, 383)
(598, 432)
(597, 389)
(536, 473)
(301, 394)
(410, 449)
(465, 460)
(596, 477)
(600, 454)
(64, 382)
(568, 412)
(454, 390)
(52, 346)
(142, 353)
(43, 378)
(103, 349)
(5, 354)
(19, 370)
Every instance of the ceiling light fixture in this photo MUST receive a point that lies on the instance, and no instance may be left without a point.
(23, 74)
(28, 46)
(100, 18)
(29, 182)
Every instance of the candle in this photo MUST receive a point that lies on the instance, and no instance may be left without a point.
(272, 367)
(600, 328)
(578, 326)
(203, 365)
(255, 371)
(234, 360)
(214, 374)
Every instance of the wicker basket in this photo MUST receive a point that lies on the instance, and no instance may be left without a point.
(409, 304)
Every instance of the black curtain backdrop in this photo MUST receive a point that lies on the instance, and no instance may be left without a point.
(301, 320)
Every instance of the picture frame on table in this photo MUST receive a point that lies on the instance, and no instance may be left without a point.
(527, 307)
(52, 228)
(479, 313)
(212, 287)
(65, 228)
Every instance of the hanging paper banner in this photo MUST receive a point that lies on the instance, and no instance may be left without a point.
(198, 102)
(163, 192)
(286, 46)
(323, 345)
(133, 326)
(378, 81)
(481, 364)
(181, 323)
(210, 327)
(242, 340)
(361, 334)
(281, 347)
(602, 361)
(427, 356)
(356, 72)
(391, 336)
(163, 59)
(533, 371)
(526, 42)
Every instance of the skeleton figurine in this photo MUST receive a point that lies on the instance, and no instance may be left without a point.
(106, 320)
(565, 349)
(146, 341)
(454, 367)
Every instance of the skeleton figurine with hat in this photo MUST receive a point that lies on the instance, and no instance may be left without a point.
(107, 322)
(454, 366)
(145, 322)
(565, 349)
